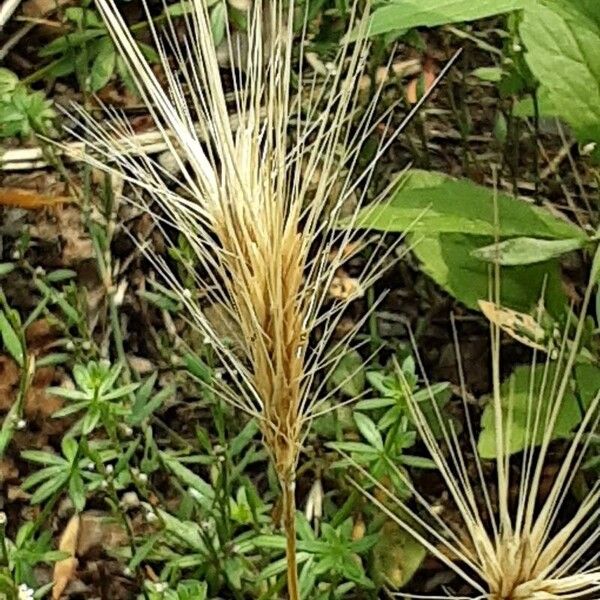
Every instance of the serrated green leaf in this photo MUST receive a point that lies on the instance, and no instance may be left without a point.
(562, 38)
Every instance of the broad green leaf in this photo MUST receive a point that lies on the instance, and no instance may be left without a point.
(562, 38)
(587, 377)
(349, 375)
(526, 250)
(6, 268)
(396, 556)
(218, 16)
(406, 14)
(521, 409)
(448, 260)
(429, 202)
(103, 66)
(11, 340)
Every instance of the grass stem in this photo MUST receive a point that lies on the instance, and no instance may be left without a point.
(288, 486)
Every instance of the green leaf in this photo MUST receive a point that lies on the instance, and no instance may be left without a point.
(60, 275)
(66, 42)
(189, 478)
(103, 67)
(525, 400)
(429, 203)
(348, 375)
(588, 382)
(218, 16)
(526, 250)
(563, 44)
(6, 268)
(187, 531)
(493, 74)
(369, 430)
(406, 14)
(397, 556)
(11, 340)
(448, 260)
(77, 491)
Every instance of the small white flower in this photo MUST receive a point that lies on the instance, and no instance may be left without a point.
(314, 503)
(3, 518)
(25, 592)
(588, 148)
(21, 424)
(127, 431)
(143, 478)
(130, 500)
(151, 517)
(109, 469)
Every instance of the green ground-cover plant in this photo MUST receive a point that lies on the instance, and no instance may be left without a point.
(22, 111)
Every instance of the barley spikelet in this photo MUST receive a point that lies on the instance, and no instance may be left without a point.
(264, 171)
(505, 549)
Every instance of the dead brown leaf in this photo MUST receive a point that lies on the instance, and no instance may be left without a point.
(520, 326)
(425, 80)
(67, 227)
(30, 199)
(9, 379)
(64, 570)
(98, 530)
(343, 286)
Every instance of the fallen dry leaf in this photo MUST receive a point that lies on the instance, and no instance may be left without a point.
(343, 286)
(426, 79)
(98, 530)
(40, 335)
(64, 569)
(67, 227)
(30, 199)
(520, 326)
(9, 379)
